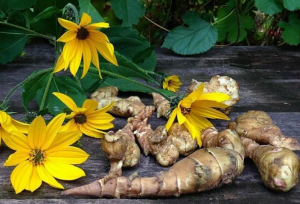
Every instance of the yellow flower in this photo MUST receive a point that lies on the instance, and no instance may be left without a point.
(87, 119)
(45, 155)
(172, 83)
(193, 110)
(84, 40)
(9, 125)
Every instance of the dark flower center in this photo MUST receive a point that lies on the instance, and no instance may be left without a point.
(80, 118)
(185, 111)
(82, 33)
(37, 156)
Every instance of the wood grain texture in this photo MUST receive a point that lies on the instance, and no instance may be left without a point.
(269, 80)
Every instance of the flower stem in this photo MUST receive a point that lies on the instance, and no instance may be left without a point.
(136, 82)
(28, 30)
(6, 99)
(46, 91)
(222, 19)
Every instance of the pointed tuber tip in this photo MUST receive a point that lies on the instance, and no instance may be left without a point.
(92, 189)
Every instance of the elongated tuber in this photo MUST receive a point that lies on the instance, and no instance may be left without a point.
(258, 126)
(123, 107)
(278, 166)
(203, 170)
(220, 84)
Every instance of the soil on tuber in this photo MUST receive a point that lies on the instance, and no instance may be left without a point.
(258, 126)
(203, 170)
(278, 166)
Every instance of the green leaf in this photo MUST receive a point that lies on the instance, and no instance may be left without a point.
(291, 33)
(11, 5)
(91, 81)
(291, 5)
(46, 21)
(65, 85)
(119, 83)
(12, 42)
(229, 26)
(270, 7)
(126, 68)
(128, 10)
(17, 18)
(129, 43)
(2, 15)
(199, 37)
(31, 88)
(145, 59)
(87, 7)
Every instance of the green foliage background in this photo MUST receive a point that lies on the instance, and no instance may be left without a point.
(136, 27)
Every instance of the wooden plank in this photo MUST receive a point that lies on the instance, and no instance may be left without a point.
(268, 78)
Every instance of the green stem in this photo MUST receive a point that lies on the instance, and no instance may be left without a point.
(135, 82)
(28, 30)
(218, 21)
(46, 92)
(78, 81)
(6, 99)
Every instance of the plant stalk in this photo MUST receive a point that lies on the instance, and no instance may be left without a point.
(46, 91)
(28, 30)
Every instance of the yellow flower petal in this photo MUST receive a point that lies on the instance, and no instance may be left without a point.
(68, 24)
(172, 118)
(67, 36)
(218, 97)
(16, 141)
(94, 26)
(213, 104)
(106, 108)
(199, 122)
(69, 52)
(65, 138)
(37, 133)
(64, 171)
(22, 127)
(181, 118)
(209, 113)
(66, 100)
(70, 126)
(194, 132)
(52, 130)
(107, 51)
(100, 118)
(87, 57)
(47, 177)
(60, 65)
(94, 54)
(35, 181)
(75, 62)
(67, 155)
(90, 105)
(85, 19)
(17, 158)
(198, 92)
(100, 125)
(89, 131)
(20, 176)
(97, 36)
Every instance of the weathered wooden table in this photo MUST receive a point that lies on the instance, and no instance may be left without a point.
(269, 80)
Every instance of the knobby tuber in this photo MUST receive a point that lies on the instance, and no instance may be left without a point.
(166, 147)
(123, 107)
(220, 84)
(226, 138)
(203, 170)
(278, 166)
(258, 126)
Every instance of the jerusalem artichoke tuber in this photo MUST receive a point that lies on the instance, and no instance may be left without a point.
(220, 84)
(278, 166)
(258, 126)
(203, 170)
(226, 139)
(123, 107)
